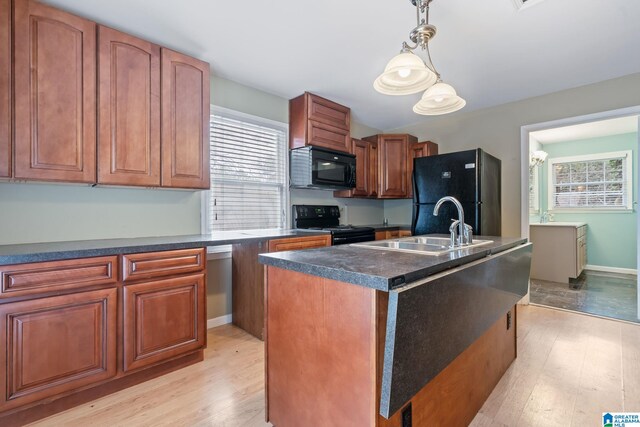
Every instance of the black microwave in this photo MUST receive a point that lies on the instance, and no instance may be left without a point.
(313, 167)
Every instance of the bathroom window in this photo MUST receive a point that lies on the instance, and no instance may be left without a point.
(596, 181)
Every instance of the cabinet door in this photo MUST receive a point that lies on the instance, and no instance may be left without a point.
(374, 159)
(185, 121)
(416, 150)
(128, 110)
(327, 136)
(55, 345)
(361, 150)
(328, 112)
(5, 88)
(163, 319)
(55, 96)
(393, 166)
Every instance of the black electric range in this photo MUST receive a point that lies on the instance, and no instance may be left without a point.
(327, 218)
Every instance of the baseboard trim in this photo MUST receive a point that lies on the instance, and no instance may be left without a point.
(218, 321)
(611, 269)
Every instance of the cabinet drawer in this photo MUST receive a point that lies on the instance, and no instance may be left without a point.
(327, 136)
(299, 243)
(56, 345)
(157, 264)
(163, 319)
(328, 112)
(27, 279)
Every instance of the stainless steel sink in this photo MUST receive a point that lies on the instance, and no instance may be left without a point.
(425, 245)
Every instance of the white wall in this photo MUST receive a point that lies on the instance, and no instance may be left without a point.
(497, 130)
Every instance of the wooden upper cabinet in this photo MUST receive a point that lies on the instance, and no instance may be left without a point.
(324, 111)
(416, 150)
(55, 94)
(366, 181)
(319, 122)
(128, 110)
(374, 160)
(56, 345)
(393, 151)
(5, 88)
(361, 150)
(185, 121)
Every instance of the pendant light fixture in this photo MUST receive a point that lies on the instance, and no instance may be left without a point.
(407, 73)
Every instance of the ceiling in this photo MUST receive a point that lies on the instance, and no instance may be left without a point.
(490, 52)
(597, 129)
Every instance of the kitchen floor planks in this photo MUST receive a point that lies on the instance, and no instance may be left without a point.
(570, 368)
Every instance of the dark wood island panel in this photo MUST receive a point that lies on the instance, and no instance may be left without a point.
(325, 344)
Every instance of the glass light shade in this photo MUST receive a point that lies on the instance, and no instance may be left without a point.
(405, 74)
(440, 98)
(538, 157)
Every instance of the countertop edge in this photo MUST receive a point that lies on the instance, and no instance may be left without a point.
(59, 251)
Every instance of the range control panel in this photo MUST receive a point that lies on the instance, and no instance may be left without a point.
(316, 211)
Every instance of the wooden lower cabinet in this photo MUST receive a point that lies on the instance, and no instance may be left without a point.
(55, 345)
(392, 234)
(163, 319)
(248, 277)
(297, 243)
(75, 330)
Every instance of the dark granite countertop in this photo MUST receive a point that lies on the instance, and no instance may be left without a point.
(388, 227)
(36, 252)
(381, 269)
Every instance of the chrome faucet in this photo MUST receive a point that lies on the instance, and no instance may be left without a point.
(463, 234)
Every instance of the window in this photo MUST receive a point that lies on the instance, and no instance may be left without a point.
(597, 181)
(248, 173)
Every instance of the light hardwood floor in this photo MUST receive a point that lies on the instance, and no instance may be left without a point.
(570, 368)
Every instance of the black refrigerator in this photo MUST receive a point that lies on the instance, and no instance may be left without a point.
(472, 177)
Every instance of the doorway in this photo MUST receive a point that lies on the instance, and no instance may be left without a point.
(579, 208)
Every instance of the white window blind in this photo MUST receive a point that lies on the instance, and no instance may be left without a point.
(248, 172)
(591, 182)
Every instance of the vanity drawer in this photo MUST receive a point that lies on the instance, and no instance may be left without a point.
(148, 265)
(55, 276)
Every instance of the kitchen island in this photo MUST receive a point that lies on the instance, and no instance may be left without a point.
(366, 337)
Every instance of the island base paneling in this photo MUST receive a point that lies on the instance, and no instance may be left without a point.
(325, 343)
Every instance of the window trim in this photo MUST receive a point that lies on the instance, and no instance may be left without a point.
(205, 224)
(534, 209)
(626, 154)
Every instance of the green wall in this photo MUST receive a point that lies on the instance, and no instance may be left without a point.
(611, 236)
